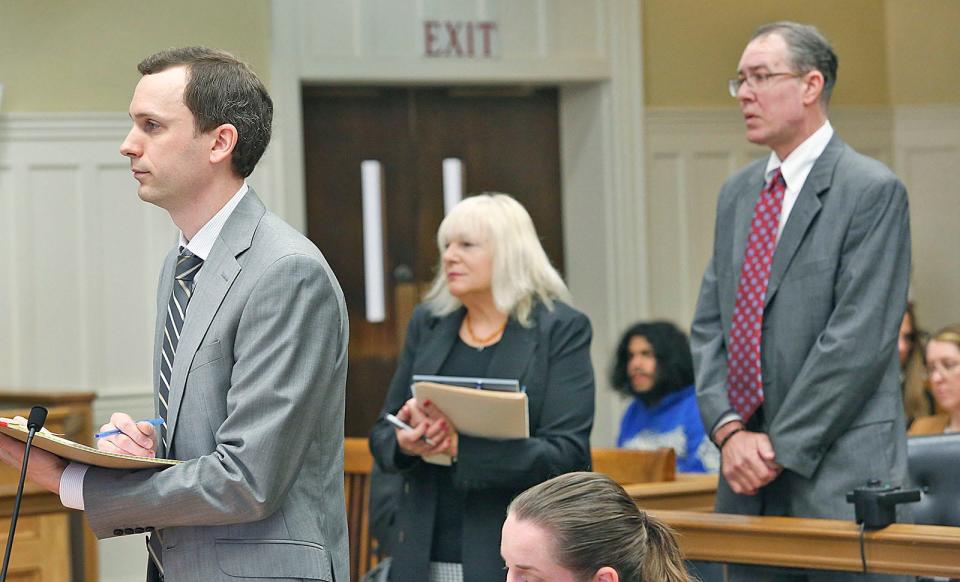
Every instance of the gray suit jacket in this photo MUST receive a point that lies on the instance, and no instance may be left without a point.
(837, 291)
(256, 416)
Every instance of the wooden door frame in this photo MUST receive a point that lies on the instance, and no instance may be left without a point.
(602, 159)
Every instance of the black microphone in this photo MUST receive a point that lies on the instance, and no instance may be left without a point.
(38, 415)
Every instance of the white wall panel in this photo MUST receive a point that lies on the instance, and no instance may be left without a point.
(576, 28)
(9, 295)
(126, 266)
(927, 157)
(666, 235)
(334, 29)
(54, 281)
(528, 37)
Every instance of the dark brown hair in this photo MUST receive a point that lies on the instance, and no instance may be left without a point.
(222, 89)
(671, 349)
(594, 523)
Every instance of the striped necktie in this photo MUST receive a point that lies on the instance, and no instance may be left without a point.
(187, 266)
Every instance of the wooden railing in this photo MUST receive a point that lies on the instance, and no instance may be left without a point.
(823, 544)
(689, 491)
(634, 466)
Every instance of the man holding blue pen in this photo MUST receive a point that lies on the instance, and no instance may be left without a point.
(105, 431)
(250, 358)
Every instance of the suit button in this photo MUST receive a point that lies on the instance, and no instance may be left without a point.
(139, 530)
(401, 537)
(128, 530)
(118, 532)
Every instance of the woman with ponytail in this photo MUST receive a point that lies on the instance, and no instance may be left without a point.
(583, 527)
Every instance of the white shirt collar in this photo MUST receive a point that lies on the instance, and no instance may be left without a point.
(203, 241)
(800, 161)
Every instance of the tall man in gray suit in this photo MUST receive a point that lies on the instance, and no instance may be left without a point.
(795, 332)
(251, 354)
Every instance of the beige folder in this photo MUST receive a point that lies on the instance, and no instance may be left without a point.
(67, 449)
(482, 413)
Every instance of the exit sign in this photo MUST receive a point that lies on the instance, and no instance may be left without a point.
(460, 39)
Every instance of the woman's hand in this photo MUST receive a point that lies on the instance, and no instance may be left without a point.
(434, 414)
(428, 437)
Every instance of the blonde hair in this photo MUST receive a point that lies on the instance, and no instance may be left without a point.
(949, 334)
(522, 273)
(593, 523)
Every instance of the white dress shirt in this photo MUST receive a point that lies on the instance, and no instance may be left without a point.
(71, 482)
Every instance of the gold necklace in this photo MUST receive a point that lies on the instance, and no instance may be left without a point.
(484, 341)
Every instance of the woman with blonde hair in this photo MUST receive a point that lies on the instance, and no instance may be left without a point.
(497, 309)
(943, 373)
(582, 527)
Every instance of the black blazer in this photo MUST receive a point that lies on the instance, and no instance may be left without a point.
(552, 359)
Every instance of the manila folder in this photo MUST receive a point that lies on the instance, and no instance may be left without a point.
(481, 413)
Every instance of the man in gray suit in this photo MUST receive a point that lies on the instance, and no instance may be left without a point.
(795, 333)
(251, 354)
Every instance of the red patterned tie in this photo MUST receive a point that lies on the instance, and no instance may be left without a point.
(743, 352)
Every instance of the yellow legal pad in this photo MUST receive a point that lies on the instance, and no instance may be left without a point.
(67, 449)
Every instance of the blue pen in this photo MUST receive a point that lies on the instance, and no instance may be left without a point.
(106, 433)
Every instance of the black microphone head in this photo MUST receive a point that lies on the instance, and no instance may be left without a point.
(38, 415)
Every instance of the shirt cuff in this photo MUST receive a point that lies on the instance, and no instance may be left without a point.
(724, 420)
(71, 485)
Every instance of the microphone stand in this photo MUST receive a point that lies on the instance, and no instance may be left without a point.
(38, 415)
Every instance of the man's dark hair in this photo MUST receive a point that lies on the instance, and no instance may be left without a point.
(221, 89)
(809, 51)
(672, 352)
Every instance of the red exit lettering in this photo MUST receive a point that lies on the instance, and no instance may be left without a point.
(456, 39)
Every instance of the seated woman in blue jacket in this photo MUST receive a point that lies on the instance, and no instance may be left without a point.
(655, 368)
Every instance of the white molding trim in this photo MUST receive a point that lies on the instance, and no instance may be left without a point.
(33, 127)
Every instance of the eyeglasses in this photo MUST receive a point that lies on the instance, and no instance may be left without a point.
(756, 81)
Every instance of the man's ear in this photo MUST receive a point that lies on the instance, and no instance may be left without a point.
(813, 85)
(606, 574)
(224, 140)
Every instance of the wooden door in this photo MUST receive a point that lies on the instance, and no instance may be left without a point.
(508, 140)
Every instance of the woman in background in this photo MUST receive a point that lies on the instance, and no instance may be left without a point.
(943, 373)
(655, 369)
(917, 400)
(497, 309)
(583, 527)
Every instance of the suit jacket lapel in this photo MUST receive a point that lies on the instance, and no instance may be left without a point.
(805, 209)
(216, 277)
(515, 350)
(743, 216)
(163, 298)
(438, 343)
